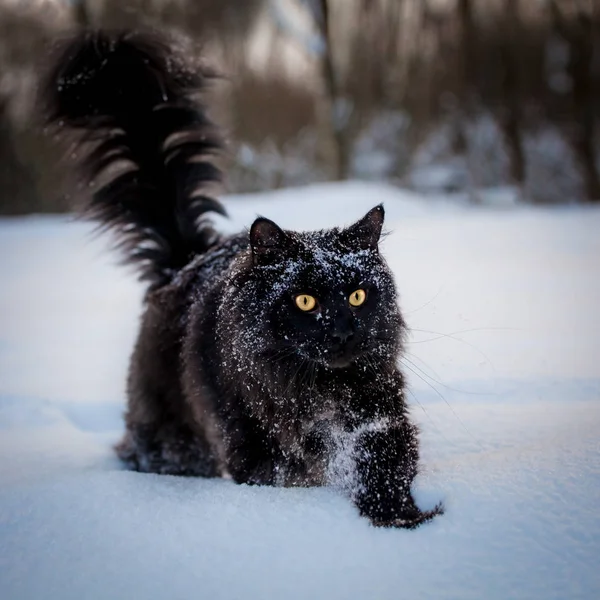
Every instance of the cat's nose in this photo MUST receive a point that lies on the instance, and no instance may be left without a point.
(343, 335)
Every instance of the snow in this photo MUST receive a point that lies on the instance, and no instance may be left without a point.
(506, 338)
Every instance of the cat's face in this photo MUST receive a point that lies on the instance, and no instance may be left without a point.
(326, 297)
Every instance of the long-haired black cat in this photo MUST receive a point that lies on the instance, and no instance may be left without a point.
(269, 356)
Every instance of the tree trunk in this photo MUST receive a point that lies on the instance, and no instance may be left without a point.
(466, 78)
(579, 34)
(580, 68)
(509, 115)
(82, 14)
(16, 179)
(339, 133)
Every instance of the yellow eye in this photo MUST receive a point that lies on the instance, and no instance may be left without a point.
(357, 298)
(305, 302)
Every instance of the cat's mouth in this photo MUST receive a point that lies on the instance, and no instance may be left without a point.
(340, 362)
(342, 359)
(345, 355)
(338, 358)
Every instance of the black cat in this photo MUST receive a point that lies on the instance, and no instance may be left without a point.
(270, 356)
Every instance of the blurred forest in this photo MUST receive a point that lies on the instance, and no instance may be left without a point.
(482, 99)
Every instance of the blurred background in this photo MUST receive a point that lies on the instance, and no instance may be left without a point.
(491, 101)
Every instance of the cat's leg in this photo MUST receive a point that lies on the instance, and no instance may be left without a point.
(161, 433)
(385, 459)
(252, 455)
(159, 437)
(168, 449)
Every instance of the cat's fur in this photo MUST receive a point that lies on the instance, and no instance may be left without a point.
(228, 376)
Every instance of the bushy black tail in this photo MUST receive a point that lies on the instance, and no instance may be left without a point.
(145, 144)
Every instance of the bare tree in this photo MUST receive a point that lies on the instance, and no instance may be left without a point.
(578, 32)
(466, 77)
(16, 178)
(81, 13)
(23, 38)
(509, 113)
(337, 115)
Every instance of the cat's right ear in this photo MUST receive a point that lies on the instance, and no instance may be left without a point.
(267, 239)
(365, 233)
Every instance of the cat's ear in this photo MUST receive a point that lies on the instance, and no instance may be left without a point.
(365, 233)
(266, 239)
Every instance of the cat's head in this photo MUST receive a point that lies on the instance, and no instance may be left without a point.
(326, 296)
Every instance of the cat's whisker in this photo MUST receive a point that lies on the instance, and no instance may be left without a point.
(313, 367)
(414, 310)
(283, 353)
(292, 380)
(312, 370)
(305, 373)
(439, 335)
(422, 362)
(437, 392)
(473, 329)
(372, 365)
(448, 387)
(437, 429)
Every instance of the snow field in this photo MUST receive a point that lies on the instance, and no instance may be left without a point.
(503, 362)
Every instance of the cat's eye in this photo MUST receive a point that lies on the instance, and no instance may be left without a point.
(305, 302)
(357, 297)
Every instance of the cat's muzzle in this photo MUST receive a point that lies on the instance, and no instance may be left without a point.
(342, 355)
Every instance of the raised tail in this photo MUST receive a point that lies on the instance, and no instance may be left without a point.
(145, 145)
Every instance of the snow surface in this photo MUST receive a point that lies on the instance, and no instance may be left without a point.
(504, 364)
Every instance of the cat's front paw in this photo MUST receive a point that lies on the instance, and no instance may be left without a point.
(261, 473)
(410, 520)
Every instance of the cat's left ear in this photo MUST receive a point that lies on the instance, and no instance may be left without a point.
(267, 239)
(365, 233)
